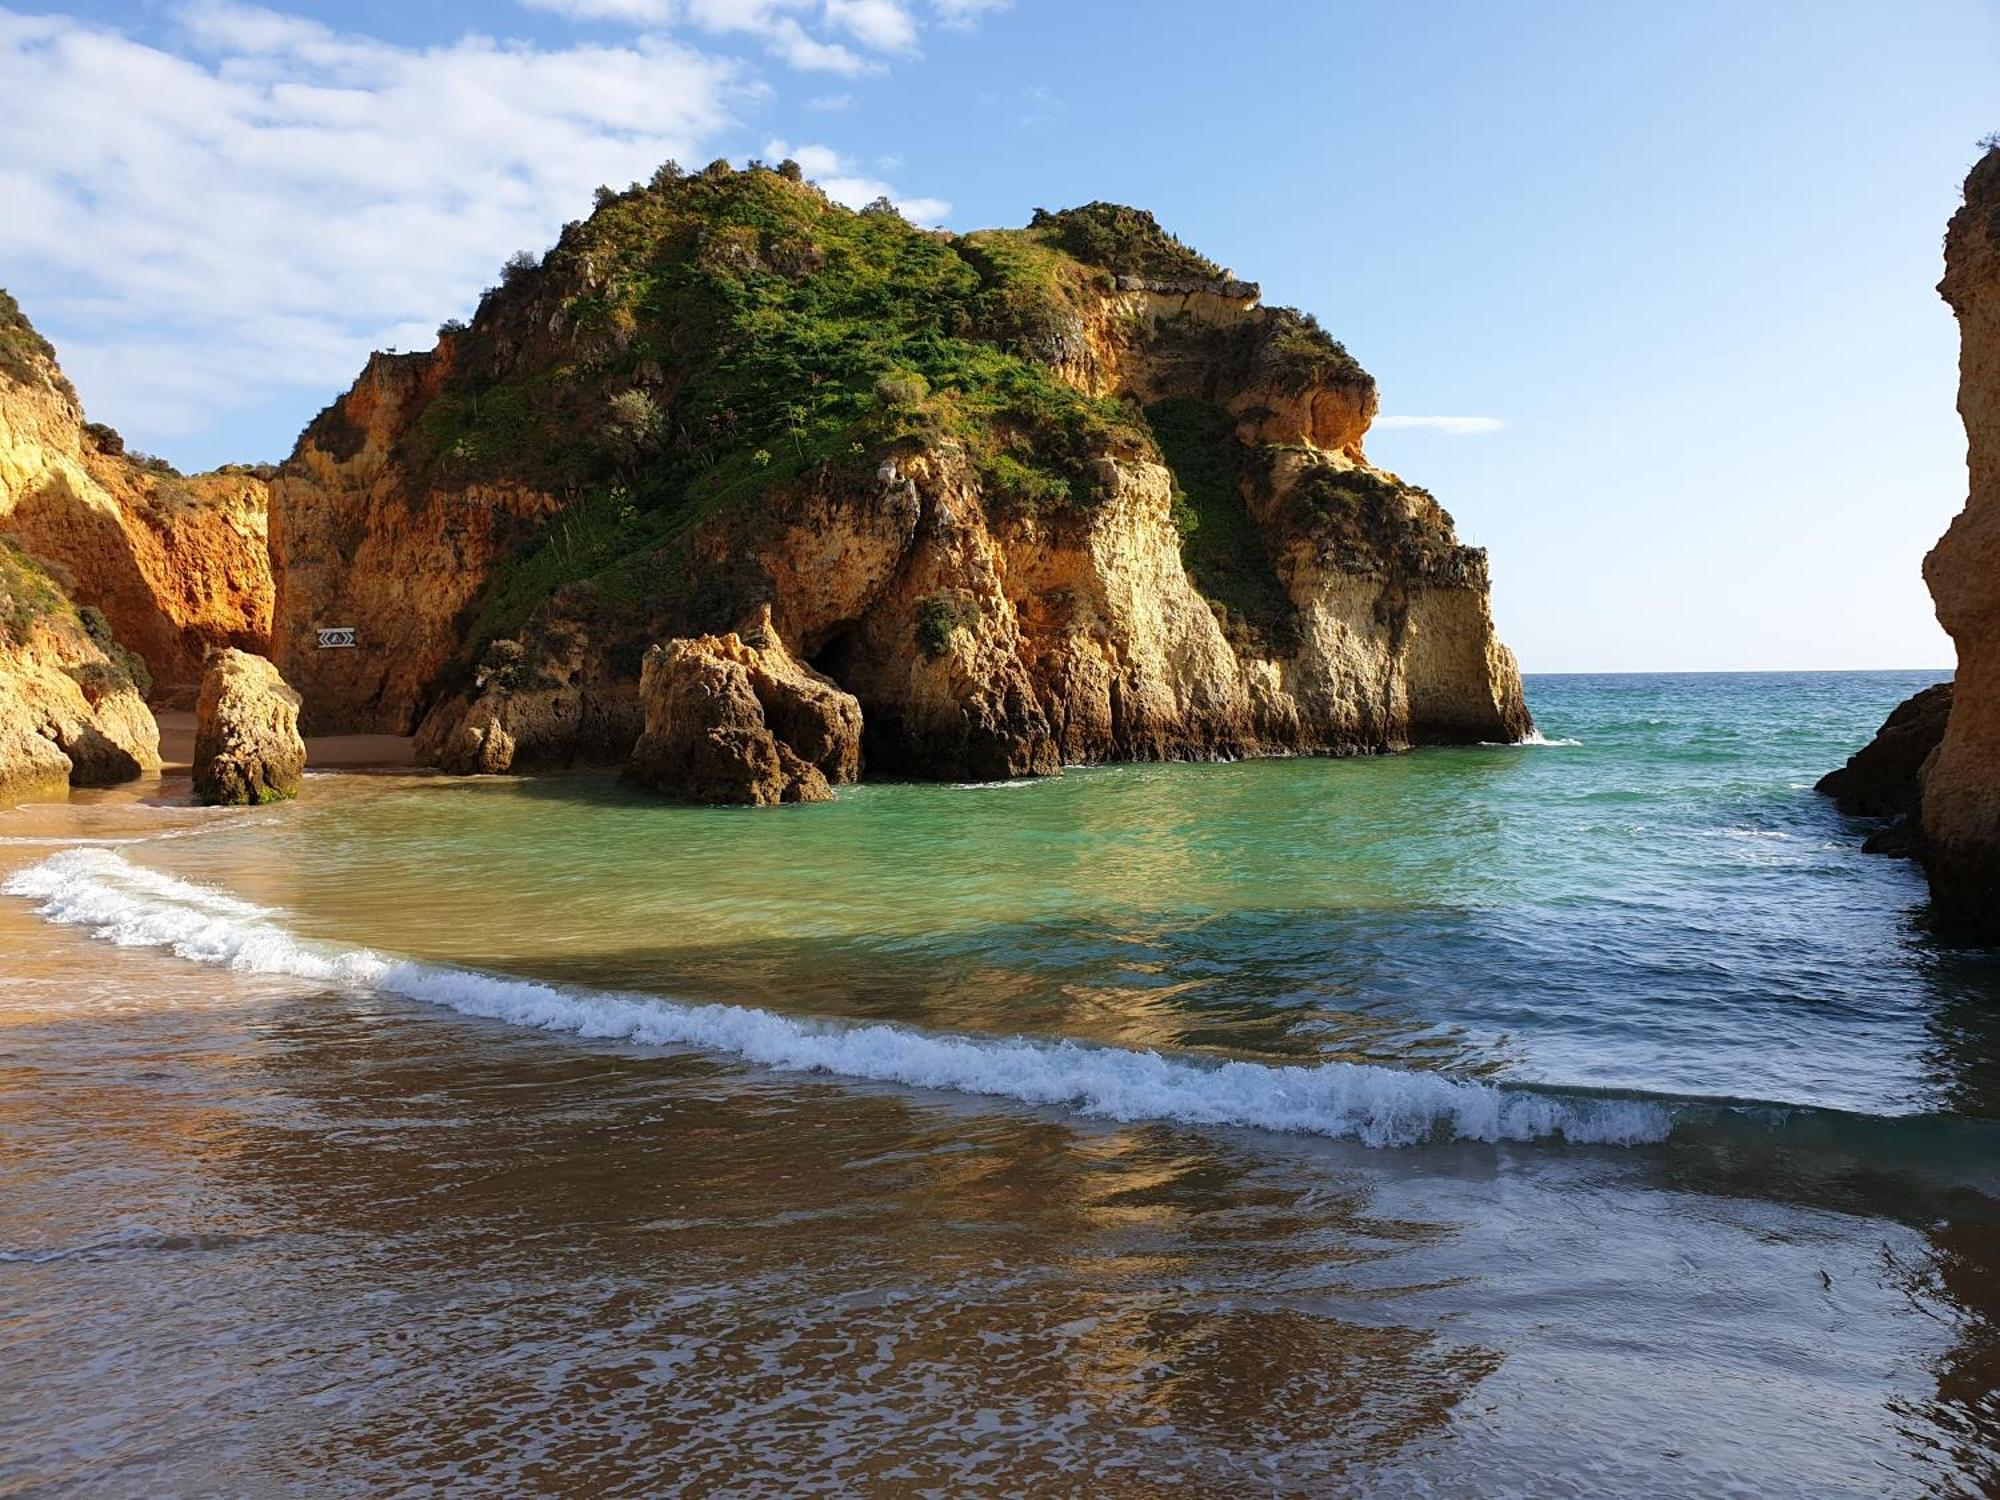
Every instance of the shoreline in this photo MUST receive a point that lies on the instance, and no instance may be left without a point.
(332, 752)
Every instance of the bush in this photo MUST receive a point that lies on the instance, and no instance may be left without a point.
(520, 263)
(938, 615)
(106, 438)
(1127, 241)
(901, 388)
(126, 663)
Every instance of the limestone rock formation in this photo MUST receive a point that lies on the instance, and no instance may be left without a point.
(739, 721)
(177, 563)
(1034, 497)
(1883, 779)
(247, 749)
(72, 704)
(1961, 802)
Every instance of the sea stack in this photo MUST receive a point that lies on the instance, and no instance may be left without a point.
(1031, 497)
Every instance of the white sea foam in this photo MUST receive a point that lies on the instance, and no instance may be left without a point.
(1535, 739)
(102, 892)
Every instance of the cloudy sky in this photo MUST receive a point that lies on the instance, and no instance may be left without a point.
(1648, 287)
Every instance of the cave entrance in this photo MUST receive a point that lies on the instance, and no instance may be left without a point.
(839, 655)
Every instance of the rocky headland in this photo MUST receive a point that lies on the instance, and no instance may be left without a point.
(1033, 497)
(1006, 501)
(1951, 806)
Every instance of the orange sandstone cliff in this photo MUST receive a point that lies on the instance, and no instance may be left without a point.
(176, 563)
(1961, 787)
(1031, 497)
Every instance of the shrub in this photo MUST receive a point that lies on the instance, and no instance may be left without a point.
(106, 437)
(450, 327)
(126, 663)
(938, 615)
(1127, 241)
(517, 265)
(901, 388)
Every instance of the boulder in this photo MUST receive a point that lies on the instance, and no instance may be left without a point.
(1882, 778)
(247, 749)
(31, 764)
(736, 720)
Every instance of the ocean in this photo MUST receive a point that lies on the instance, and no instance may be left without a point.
(1583, 1117)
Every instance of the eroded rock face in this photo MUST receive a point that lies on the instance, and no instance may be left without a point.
(247, 749)
(539, 705)
(1884, 778)
(731, 720)
(494, 493)
(358, 539)
(1961, 792)
(177, 563)
(71, 713)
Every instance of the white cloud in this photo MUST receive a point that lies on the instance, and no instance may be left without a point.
(830, 103)
(1456, 426)
(963, 13)
(881, 24)
(791, 42)
(802, 33)
(843, 184)
(631, 12)
(238, 220)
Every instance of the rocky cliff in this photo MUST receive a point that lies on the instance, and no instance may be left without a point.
(1033, 497)
(72, 700)
(1961, 789)
(177, 563)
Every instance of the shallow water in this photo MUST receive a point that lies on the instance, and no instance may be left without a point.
(1577, 1118)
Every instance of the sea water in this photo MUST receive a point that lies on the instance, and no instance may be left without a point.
(1582, 1116)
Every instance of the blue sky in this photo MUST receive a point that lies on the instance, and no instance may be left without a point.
(1680, 257)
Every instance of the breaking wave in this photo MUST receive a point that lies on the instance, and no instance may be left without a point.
(100, 891)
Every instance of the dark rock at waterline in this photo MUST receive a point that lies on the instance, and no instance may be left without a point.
(1884, 778)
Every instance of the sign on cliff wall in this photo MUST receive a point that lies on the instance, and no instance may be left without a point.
(334, 636)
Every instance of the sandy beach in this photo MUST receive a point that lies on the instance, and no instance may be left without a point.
(332, 752)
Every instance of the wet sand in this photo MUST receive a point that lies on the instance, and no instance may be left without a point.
(333, 752)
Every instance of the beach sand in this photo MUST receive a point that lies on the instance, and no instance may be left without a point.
(334, 752)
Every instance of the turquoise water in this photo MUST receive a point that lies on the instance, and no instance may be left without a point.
(1588, 1116)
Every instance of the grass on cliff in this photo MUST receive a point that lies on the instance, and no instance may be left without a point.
(726, 333)
(1220, 547)
(707, 339)
(25, 355)
(30, 595)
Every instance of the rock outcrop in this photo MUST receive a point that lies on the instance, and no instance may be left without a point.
(1950, 809)
(72, 704)
(178, 564)
(247, 749)
(1033, 497)
(736, 720)
(1961, 791)
(1884, 778)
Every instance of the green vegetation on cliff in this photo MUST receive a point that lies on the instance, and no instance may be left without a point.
(32, 595)
(26, 356)
(1220, 546)
(706, 339)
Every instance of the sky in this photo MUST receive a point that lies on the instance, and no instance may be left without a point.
(1649, 288)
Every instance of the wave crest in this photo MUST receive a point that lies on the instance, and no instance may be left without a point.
(103, 893)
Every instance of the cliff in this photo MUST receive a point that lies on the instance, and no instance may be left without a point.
(72, 700)
(1032, 497)
(1961, 789)
(176, 563)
